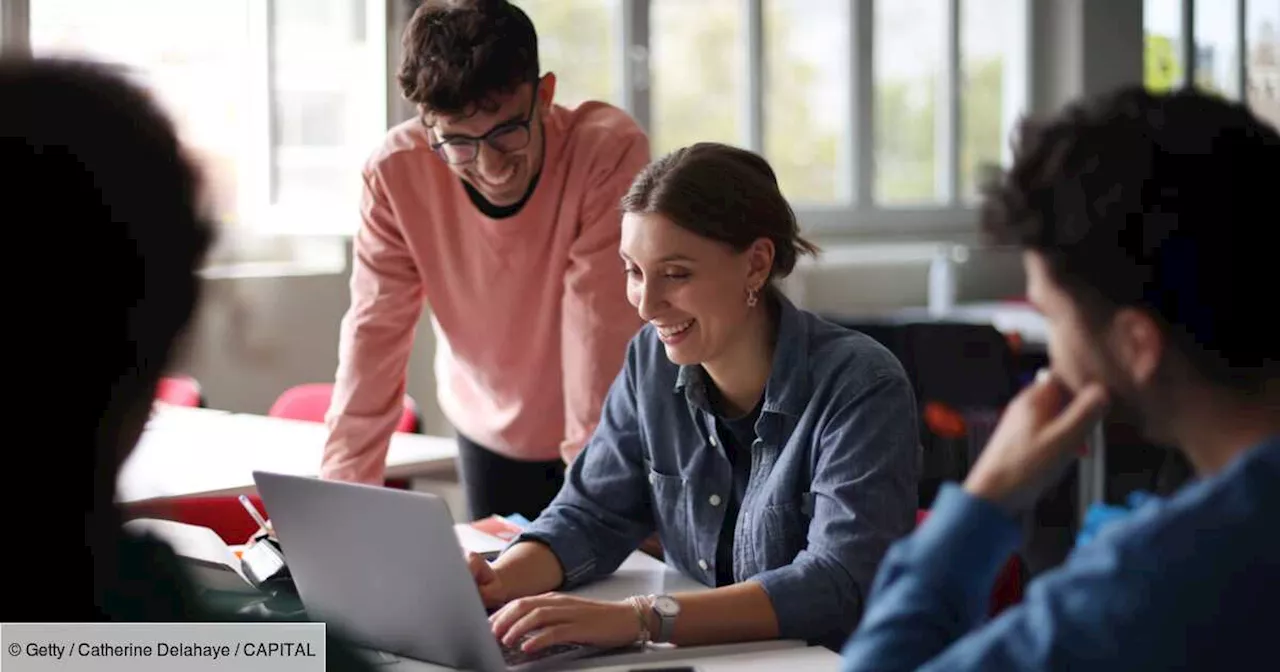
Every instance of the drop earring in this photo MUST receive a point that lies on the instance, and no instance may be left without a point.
(751, 298)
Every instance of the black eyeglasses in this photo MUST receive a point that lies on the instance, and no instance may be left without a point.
(512, 136)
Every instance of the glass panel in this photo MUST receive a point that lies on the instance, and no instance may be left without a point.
(326, 103)
(698, 64)
(199, 76)
(579, 41)
(1162, 44)
(908, 68)
(807, 120)
(993, 95)
(1262, 34)
(1217, 48)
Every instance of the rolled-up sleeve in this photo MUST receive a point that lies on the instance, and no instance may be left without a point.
(863, 497)
(603, 512)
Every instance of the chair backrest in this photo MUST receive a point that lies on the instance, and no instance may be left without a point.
(1007, 590)
(310, 401)
(962, 374)
(221, 513)
(180, 391)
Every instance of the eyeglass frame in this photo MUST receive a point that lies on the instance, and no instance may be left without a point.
(474, 141)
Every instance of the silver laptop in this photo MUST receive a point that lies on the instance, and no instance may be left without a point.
(383, 567)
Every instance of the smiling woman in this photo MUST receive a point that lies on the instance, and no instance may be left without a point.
(777, 473)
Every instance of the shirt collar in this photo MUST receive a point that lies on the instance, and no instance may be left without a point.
(788, 388)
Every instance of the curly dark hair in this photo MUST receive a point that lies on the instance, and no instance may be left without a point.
(1156, 201)
(723, 193)
(460, 54)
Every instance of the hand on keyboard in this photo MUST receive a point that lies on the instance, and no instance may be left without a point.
(514, 655)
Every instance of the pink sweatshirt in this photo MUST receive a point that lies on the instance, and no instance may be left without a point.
(530, 311)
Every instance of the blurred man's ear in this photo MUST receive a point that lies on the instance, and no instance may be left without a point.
(1137, 345)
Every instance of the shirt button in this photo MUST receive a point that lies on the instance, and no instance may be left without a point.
(715, 500)
(703, 565)
(653, 478)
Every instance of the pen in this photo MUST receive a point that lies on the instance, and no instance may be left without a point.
(257, 517)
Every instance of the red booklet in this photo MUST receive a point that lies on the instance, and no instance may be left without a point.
(497, 526)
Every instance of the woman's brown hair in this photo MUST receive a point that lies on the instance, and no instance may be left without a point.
(723, 193)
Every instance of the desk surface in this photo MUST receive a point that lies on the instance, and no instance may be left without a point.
(777, 656)
(196, 451)
(642, 574)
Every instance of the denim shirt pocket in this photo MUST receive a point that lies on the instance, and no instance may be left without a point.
(671, 515)
(786, 531)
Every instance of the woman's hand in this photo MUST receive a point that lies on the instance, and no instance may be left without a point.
(492, 591)
(554, 618)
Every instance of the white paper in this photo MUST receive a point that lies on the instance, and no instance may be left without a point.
(193, 542)
(476, 541)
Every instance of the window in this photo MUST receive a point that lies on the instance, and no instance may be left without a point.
(994, 86)
(1262, 60)
(327, 114)
(909, 69)
(580, 41)
(807, 103)
(1233, 44)
(279, 100)
(696, 72)
(1162, 44)
(1217, 56)
(877, 116)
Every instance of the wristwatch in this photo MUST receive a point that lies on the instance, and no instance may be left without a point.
(666, 608)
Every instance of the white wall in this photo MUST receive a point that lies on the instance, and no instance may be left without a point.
(255, 337)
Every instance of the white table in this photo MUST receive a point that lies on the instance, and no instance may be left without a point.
(643, 574)
(744, 659)
(775, 656)
(197, 451)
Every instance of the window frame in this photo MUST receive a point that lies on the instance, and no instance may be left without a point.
(1189, 44)
(862, 219)
(258, 181)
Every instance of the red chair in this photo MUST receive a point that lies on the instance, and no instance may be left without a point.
(180, 391)
(222, 514)
(1007, 590)
(310, 402)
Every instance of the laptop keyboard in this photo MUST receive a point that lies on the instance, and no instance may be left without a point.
(513, 655)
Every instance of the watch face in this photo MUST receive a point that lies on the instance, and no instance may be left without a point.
(666, 606)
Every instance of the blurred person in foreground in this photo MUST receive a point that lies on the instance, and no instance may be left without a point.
(98, 188)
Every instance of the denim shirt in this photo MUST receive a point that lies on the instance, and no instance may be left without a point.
(1185, 583)
(833, 480)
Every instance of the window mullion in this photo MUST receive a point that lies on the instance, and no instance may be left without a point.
(753, 94)
(1242, 39)
(636, 64)
(947, 137)
(256, 180)
(15, 34)
(862, 146)
(1188, 45)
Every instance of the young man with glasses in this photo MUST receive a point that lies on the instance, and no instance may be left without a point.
(499, 210)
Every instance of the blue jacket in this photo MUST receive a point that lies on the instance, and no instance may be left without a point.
(833, 476)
